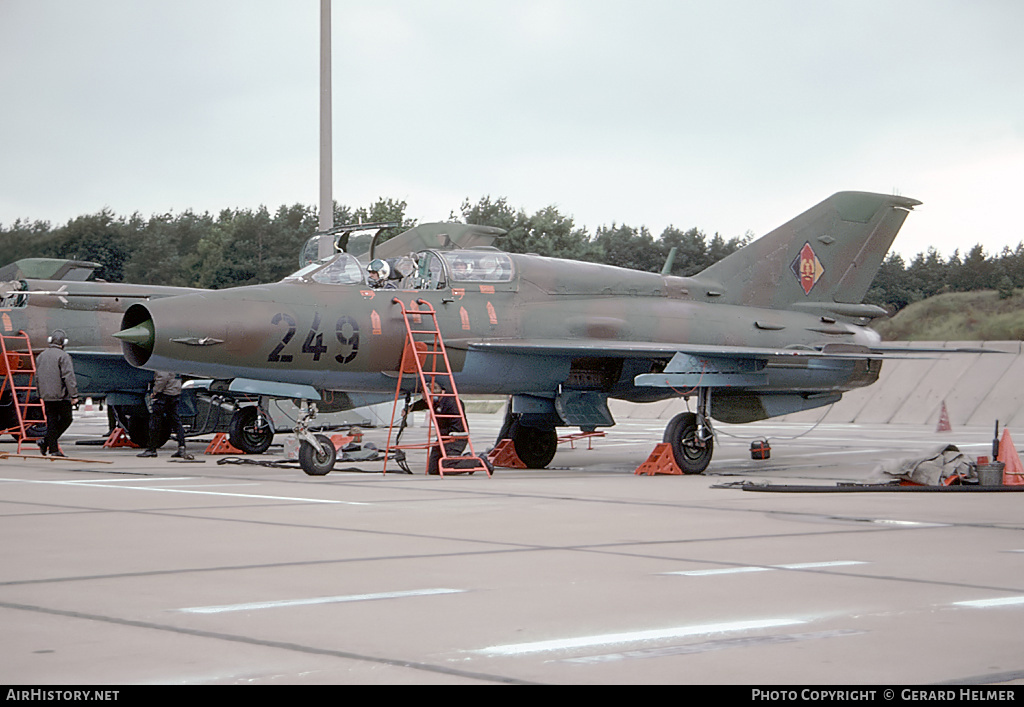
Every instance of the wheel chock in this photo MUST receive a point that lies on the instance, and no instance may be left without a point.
(661, 461)
(504, 455)
(340, 441)
(221, 445)
(119, 438)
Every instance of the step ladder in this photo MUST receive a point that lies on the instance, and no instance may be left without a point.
(425, 355)
(19, 387)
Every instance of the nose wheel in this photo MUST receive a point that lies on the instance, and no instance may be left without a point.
(316, 451)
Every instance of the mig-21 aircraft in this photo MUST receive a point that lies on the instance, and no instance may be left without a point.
(774, 328)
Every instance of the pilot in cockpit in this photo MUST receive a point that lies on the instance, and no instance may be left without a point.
(462, 269)
(378, 272)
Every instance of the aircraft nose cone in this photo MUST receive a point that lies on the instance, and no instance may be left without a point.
(140, 335)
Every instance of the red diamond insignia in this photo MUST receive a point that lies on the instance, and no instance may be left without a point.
(807, 268)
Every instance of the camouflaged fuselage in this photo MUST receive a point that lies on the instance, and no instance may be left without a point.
(351, 337)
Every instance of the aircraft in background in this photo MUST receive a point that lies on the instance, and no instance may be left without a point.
(775, 328)
(40, 295)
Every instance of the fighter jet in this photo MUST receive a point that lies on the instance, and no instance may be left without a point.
(775, 328)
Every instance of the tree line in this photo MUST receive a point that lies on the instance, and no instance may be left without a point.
(898, 284)
(245, 246)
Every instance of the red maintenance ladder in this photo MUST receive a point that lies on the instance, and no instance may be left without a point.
(425, 355)
(19, 386)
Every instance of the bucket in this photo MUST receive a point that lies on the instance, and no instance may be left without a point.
(990, 474)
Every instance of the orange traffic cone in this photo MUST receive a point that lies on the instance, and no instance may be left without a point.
(1013, 471)
(944, 425)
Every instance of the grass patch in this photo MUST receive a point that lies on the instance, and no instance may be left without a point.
(958, 316)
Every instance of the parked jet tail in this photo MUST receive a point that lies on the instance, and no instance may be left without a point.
(825, 257)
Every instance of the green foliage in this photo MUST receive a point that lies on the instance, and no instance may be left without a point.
(245, 246)
(99, 238)
(549, 233)
(958, 316)
(898, 285)
(629, 247)
(1005, 287)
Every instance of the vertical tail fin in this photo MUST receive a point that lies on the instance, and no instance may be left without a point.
(829, 253)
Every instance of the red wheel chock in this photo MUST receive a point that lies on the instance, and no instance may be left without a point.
(119, 438)
(504, 455)
(661, 461)
(221, 445)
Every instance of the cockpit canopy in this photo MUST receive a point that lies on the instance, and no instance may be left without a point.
(427, 270)
(437, 269)
(340, 269)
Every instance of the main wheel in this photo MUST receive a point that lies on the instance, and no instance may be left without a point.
(313, 461)
(535, 446)
(692, 456)
(134, 419)
(249, 431)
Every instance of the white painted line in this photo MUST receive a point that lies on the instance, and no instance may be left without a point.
(317, 600)
(121, 480)
(767, 568)
(729, 570)
(985, 603)
(811, 565)
(633, 637)
(199, 493)
(76, 482)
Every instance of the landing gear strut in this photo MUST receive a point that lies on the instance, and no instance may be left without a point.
(316, 452)
(691, 436)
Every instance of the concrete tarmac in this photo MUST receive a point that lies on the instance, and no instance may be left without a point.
(151, 571)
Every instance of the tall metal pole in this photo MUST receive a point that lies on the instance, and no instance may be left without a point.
(326, 198)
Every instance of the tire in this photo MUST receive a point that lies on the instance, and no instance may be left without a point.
(535, 446)
(135, 419)
(681, 433)
(315, 463)
(247, 434)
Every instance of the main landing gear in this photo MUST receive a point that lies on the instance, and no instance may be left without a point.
(535, 446)
(691, 436)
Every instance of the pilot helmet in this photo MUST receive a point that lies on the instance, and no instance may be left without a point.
(380, 268)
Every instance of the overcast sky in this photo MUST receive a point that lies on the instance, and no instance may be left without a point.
(727, 115)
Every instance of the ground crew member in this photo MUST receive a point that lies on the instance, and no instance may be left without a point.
(165, 394)
(445, 405)
(58, 389)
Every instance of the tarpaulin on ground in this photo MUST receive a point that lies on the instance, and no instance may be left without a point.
(930, 470)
